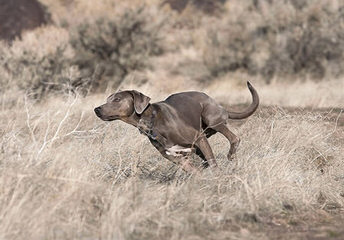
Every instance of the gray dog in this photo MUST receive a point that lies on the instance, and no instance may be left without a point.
(179, 125)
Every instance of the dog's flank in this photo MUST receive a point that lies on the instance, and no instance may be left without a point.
(179, 125)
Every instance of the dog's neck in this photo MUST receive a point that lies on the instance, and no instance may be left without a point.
(135, 118)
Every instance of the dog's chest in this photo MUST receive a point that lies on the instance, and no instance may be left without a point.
(177, 151)
(148, 125)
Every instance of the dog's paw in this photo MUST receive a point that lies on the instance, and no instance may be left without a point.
(231, 156)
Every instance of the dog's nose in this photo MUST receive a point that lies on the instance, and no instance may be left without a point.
(97, 111)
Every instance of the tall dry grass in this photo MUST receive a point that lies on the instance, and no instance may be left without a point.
(64, 174)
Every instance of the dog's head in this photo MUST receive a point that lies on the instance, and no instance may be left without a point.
(122, 104)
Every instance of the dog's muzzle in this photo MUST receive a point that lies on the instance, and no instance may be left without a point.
(97, 111)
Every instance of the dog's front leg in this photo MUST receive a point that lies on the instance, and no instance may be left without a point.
(182, 161)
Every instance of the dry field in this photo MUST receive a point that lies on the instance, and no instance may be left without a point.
(65, 174)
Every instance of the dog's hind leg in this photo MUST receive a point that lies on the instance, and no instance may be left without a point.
(232, 138)
(205, 163)
(208, 133)
(203, 145)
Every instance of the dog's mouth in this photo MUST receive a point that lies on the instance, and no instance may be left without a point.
(99, 114)
(111, 118)
(108, 118)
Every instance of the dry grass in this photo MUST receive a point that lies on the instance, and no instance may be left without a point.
(64, 174)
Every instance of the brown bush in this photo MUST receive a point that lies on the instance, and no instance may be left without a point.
(43, 66)
(121, 44)
(272, 38)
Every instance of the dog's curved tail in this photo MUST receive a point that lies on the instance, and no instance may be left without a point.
(251, 109)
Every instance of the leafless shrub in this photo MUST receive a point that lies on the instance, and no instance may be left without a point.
(273, 38)
(121, 44)
(37, 64)
(52, 73)
(40, 74)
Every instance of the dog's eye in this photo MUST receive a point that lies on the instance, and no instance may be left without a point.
(117, 99)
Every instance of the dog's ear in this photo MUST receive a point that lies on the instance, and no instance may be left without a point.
(141, 101)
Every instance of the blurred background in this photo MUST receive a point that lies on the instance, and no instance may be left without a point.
(54, 47)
